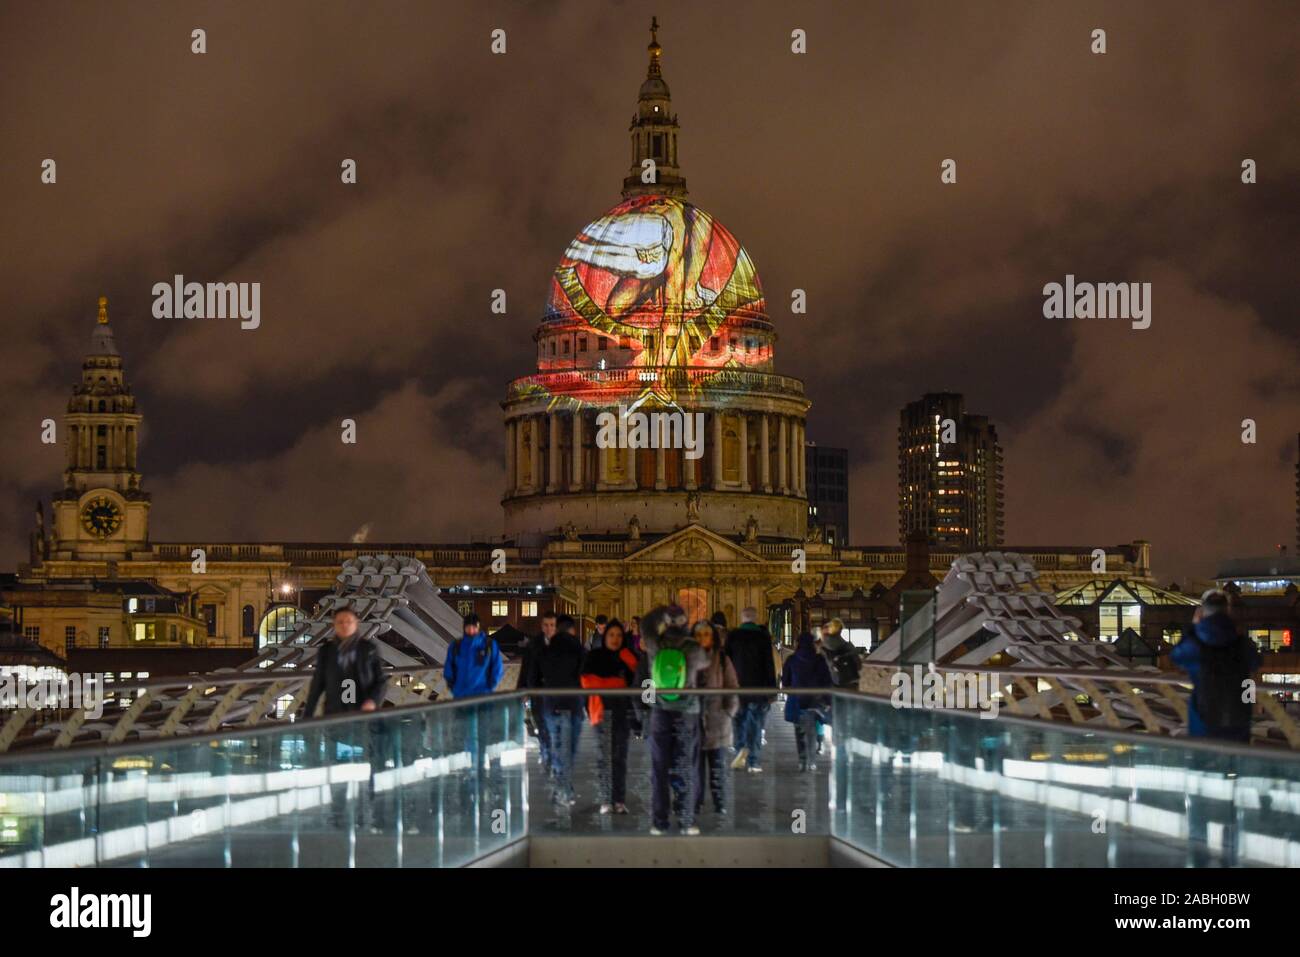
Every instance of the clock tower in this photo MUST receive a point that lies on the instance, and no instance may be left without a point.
(101, 514)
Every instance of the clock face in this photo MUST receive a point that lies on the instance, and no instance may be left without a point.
(101, 517)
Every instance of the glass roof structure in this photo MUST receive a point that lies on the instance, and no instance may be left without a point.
(1123, 592)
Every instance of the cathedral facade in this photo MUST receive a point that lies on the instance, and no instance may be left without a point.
(655, 309)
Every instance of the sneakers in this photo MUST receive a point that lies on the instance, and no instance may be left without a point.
(691, 831)
(739, 761)
(620, 808)
(756, 769)
(606, 808)
(656, 832)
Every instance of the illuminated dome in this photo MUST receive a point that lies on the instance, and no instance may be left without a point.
(654, 308)
(655, 283)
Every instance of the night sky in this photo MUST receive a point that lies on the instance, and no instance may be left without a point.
(476, 170)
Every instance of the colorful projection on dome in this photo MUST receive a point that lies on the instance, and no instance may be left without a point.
(657, 279)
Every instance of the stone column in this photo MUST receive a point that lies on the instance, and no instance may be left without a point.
(744, 452)
(800, 458)
(602, 468)
(511, 475)
(520, 426)
(764, 459)
(783, 457)
(535, 425)
(629, 467)
(553, 478)
(661, 455)
(794, 457)
(576, 484)
(717, 450)
(131, 439)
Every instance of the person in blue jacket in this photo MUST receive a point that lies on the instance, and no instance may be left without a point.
(1219, 660)
(473, 663)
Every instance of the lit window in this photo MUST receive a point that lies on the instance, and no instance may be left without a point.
(500, 609)
(279, 624)
(528, 609)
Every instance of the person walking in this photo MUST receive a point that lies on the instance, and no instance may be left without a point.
(805, 669)
(1219, 660)
(612, 665)
(532, 710)
(749, 648)
(716, 714)
(349, 672)
(557, 666)
(349, 675)
(675, 661)
(473, 665)
(597, 638)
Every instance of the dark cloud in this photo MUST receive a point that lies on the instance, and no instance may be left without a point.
(476, 170)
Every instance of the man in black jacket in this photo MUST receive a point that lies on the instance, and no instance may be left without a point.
(536, 724)
(349, 671)
(349, 675)
(557, 663)
(750, 649)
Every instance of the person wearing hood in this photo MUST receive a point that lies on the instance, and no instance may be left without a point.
(612, 665)
(749, 648)
(675, 661)
(716, 716)
(1219, 660)
(805, 669)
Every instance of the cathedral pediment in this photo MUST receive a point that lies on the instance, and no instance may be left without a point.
(695, 543)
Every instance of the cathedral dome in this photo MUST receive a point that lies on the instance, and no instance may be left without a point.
(661, 278)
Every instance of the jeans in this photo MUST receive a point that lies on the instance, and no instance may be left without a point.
(674, 740)
(749, 730)
(563, 728)
(612, 737)
(715, 768)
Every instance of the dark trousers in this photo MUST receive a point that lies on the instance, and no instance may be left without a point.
(674, 738)
(714, 766)
(378, 749)
(612, 736)
(543, 736)
(806, 737)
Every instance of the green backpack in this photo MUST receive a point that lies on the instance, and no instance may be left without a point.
(669, 671)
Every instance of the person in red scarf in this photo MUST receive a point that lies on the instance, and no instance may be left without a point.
(611, 665)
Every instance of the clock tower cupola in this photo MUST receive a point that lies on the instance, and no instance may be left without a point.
(101, 512)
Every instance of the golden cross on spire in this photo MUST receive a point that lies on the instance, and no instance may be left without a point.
(103, 310)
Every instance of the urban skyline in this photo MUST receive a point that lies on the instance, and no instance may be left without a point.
(1106, 436)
